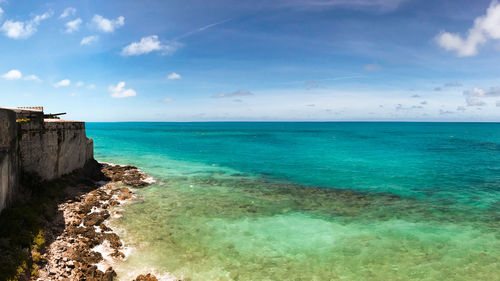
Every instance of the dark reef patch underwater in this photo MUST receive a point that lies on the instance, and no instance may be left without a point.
(310, 201)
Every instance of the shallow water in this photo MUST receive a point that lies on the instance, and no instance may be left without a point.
(311, 201)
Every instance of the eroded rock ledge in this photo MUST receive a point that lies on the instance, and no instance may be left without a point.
(77, 252)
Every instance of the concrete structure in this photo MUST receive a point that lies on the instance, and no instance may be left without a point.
(48, 147)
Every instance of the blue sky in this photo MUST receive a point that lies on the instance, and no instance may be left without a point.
(293, 60)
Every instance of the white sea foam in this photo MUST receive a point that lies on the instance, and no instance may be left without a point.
(132, 274)
(106, 250)
(94, 210)
(149, 180)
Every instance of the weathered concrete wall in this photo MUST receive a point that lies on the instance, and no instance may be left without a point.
(50, 148)
(9, 160)
(54, 148)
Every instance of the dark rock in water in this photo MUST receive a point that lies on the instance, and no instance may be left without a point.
(109, 275)
(95, 219)
(128, 175)
(113, 239)
(146, 277)
(124, 193)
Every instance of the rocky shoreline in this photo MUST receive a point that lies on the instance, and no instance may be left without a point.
(84, 247)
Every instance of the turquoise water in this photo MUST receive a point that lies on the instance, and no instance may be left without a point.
(311, 201)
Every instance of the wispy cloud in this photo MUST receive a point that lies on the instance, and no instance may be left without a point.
(200, 29)
(74, 25)
(471, 101)
(150, 44)
(174, 76)
(32, 77)
(318, 81)
(107, 25)
(239, 93)
(312, 84)
(62, 83)
(452, 84)
(478, 92)
(446, 112)
(89, 40)
(23, 30)
(485, 27)
(167, 100)
(68, 12)
(474, 97)
(119, 91)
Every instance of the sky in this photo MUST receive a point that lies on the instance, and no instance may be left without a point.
(259, 60)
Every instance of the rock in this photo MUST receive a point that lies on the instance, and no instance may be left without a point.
(109, 275)
(114, 240)
(95, 219)
(70, 255)
(124, 193)
(146, 277)
(128, 175)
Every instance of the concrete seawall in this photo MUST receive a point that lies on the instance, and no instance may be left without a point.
(48, 147)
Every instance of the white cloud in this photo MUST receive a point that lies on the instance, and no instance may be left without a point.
(474, 97)
(74, 25)
(32, 77)
(79, 84)
(498, 103)
(119, 91)
(91, 87)
(173, 76)
(23, 30)
(62, 83)
(238, 93)
(1, 12)
(68, 12)
(474, 102)
(150, 44)
(485, 27)
(89, 40)
(107, 25)
(167, 100)
(14, 74)
(480, 93)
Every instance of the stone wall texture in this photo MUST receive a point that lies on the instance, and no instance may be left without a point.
(50, 148)
(9, 157)
(55, 149)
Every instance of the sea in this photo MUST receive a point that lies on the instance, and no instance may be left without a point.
(309, 200)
